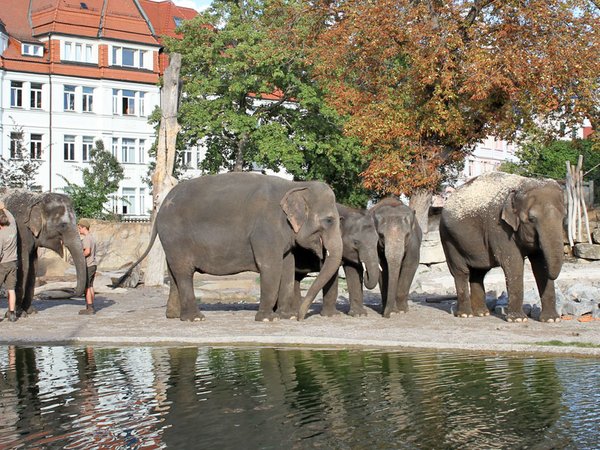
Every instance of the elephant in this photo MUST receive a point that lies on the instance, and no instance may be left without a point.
(359, 260)
(399, 250)
(43, 220)
(233, 222)
(497, 220)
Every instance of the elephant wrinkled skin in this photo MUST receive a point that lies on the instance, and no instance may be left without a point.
(235, 222)
(43, 220)
(498, 219)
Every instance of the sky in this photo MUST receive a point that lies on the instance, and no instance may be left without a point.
(198, 5)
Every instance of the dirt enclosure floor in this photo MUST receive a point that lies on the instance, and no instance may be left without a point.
(137, 317)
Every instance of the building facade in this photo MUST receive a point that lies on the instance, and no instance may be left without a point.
(72, 73)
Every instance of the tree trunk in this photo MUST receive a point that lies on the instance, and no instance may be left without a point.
(420, 202)
(162, 178)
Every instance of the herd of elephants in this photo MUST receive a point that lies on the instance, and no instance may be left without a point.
(235, 222)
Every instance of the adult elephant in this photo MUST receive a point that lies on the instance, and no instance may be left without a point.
(43, 220)
(498, 219)
(234, 222)
(399, 252)
(359, 260)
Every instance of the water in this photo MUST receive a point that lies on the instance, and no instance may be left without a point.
(231, 398)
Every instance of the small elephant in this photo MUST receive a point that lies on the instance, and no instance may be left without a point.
(43, 220)
(399, 252)
(359, 260)
(234, 222)
(499, 219)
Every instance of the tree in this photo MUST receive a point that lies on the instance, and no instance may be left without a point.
(423, 81)
(100, 180)
(253, 101)
(20, 171)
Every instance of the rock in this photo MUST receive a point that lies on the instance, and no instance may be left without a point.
(573, 308)
(581, 291)
(596, 235)
(531, 297)
(132, 280)
(587, 251)
(432, 252)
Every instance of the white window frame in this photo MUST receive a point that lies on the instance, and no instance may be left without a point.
(15, 137)
(35, 146)
(16, 94)
(69, 97)
(141, 151)
(138, 56)
(128, 148)
(69, 147)
(87, 99)
(28, 49)
(87, 144)
(128, 102)
(129, 196)
(35, 96)
(78, 52)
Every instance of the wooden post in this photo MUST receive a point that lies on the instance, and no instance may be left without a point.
(162, 178)
(569, 188)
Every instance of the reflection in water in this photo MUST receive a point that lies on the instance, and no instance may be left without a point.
(265, 398)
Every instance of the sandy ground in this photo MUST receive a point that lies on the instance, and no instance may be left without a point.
(137, 317)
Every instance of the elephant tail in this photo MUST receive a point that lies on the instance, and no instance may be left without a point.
(126, 275)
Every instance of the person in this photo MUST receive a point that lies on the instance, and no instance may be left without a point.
(89, 251)
(8, 259)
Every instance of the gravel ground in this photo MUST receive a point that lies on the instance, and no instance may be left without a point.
(137, 316)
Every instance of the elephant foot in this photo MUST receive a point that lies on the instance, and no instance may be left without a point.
(482, 313)
(287, 315)
(262, 316)
(172, 315)
(464, 313)
(550, 317)
(31, 311)
(330, 312)
(195, 317)
(517, 317)
(357, 312)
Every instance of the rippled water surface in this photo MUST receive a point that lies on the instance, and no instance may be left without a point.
(230, 398)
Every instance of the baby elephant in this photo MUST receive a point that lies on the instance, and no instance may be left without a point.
(498, 219)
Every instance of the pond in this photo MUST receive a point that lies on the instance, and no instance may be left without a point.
(275, 398)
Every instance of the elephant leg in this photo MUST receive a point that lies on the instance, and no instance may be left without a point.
(285, 299)
(407, 274)
(477, 287)
(330, 295)
(184, 281)
(173, 303)
(513, 273)
(384, 283)
(297, 294)
(545, 288)
(270, 281)
(355, 291)
(26, 287)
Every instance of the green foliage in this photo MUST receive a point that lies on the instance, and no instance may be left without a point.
(253, 102)
(100, 180)
(21, 170)
(548, 159)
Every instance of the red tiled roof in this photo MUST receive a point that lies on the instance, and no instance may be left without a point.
(162, 15)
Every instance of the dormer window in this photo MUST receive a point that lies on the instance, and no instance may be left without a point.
(78, 52)
(32, 50)
(178, 21)
(129, 57)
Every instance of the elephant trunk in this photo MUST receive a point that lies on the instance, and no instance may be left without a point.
(394, 254)
(72, 241)
(333, 245)
(551, 243)
(370, 260)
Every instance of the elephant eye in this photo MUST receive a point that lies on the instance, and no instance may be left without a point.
(328, 221)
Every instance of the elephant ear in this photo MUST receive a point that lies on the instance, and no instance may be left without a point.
(295, 207)
(509, 215)
(35, 221)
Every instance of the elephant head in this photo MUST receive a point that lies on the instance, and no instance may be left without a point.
(313, 216)
(51, 221)
(360, 240)
(536, 216)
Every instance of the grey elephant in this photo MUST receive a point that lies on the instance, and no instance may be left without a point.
(497, 220)
(234, 222)
(43, 220)
(359, 260)
(399, 252)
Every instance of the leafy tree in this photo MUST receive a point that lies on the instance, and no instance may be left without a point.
(100, 180)
(423, 81)
(20, 171)
(253, 101)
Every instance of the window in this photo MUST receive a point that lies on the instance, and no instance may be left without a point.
(76, 51)
(16, 94)
(142, 200)
(142, 151)
(128, 150)
(128, 102)
(35, 146)
(178, 21)
(115, 147)
(69, 97)
(35, 95)
(129, 201)
(128, 57)
(87, 99)
(141, 108)
(186, 157)
(32, 50)
(69, 148)
(15, 145)
(86, 147)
